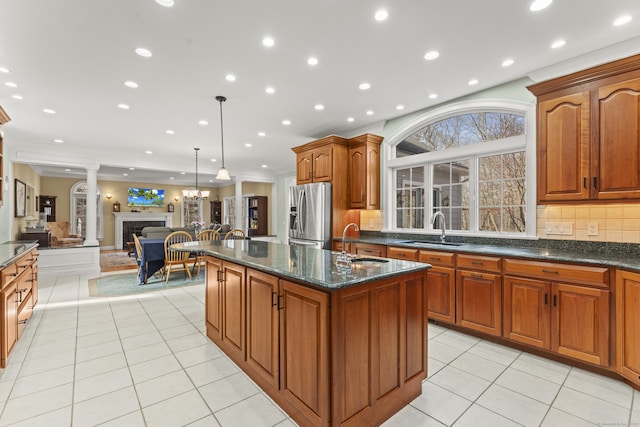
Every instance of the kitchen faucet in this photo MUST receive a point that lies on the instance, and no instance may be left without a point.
(344, 257)
(443, 225)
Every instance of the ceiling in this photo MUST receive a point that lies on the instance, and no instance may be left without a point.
(74, 56)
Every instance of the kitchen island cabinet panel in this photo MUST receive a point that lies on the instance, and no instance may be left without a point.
(213, 303)
(628, 325)
(233, 310)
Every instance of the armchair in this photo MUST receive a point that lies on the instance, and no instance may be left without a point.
(61, 236)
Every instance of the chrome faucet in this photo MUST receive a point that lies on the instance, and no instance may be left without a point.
(344, 257)
(443, 224)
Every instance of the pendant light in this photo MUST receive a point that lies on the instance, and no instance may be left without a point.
(223, 173)
(195, 193)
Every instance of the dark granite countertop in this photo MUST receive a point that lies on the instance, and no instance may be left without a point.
(312, 266)
(10, 251)
(617, 255)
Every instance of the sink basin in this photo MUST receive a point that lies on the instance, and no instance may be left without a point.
(432, 242)
(368, 260)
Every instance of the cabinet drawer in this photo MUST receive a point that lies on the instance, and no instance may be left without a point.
(437, 258)
(337, 246)
(476, 262)
(402, 253)
(369, 249)
(9, 274)
(584, 275)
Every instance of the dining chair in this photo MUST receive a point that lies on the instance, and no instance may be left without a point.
(136, 242)
(172, 258)
(203, 236)
(235, 234)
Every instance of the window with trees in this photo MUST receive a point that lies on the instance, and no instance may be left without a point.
(473, 162)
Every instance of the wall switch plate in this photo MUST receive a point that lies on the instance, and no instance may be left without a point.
(554, 227)
(567, 228)
(592, 229)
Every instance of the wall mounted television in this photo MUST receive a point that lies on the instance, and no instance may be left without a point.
(145, 197)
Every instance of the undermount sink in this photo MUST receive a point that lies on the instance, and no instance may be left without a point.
(433, 242)
(368, 260)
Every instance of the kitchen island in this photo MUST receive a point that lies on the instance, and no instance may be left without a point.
(332, 346)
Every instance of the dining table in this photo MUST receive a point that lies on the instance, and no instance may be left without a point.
(151, 258)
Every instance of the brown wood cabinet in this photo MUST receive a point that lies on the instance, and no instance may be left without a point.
(213, 299)
(628, 325)
(18, 295)
(441, 285)
(407, 254)
(562, 315)
(233, 295)
(368, 249)
(589, 134)
(364, 172)
(315, 165)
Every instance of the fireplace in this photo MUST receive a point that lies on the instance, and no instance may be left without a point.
(136, 221)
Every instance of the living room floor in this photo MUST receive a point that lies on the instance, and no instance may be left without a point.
(145, 360)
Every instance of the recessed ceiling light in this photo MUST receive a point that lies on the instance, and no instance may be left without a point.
(67, 170)
(11, 84)
(230, 77)
(431, 55)
(210, 180)
(370, 113)
(148, 152)
(364, 86)
(400, 107)
(270, 90)
(558, 43)
(473, 82)
(319, 107)
(171, 177)
(213, 160)
(262, 134)
(268, 41)
(125, 174)
(625, 19)
(145, 53)
(537, 5)
(170, 132)
(312, 61)
(507, 62)
(350, 119)
(286, 122)
(433, 96)
(123, 106)
(183, 173)
(264, 166)
(58, 141)
(4, 70)
(203, 123)
(132, 169)
(131, 84)
(49, 111)
(165, 3)
(18, 97)
(381, 15)
(248, 145)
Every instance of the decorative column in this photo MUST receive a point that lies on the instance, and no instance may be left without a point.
(92, 187)
(239, 214)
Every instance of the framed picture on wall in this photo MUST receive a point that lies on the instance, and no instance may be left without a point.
(21, 198)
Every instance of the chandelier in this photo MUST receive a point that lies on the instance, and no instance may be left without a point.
(223, 173)
(195, 193)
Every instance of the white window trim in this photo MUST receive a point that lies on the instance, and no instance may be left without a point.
(74, 196)
(528, 142)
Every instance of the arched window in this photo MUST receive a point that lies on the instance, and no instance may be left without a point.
(473, 161)
(78, 211)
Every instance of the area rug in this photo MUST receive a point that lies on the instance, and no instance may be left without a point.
(116, 260)
(127, 284)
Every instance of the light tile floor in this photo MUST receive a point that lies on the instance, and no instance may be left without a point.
(145, 361)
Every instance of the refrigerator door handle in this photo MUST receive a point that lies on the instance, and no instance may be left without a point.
(302, 198)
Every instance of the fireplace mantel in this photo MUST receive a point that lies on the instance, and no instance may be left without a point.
(121, 217)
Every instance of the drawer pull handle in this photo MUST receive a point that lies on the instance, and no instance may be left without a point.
(550, 271)
(435, 258)
(476, 275)
(23, 321)
(546, 299)
(476, 262)
(555, 300)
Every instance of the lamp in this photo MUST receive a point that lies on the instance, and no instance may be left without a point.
(194, 193)
(108, 196)
(223, 173)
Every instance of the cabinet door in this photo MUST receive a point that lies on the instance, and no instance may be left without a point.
(323, 164)
(233, 310)
(304, 350)
(580, 323)
(357, 177)
(628, 325)
(304, 168)
(527, 311)
(213, 296)
(9, 310)
(563, 148)
(618, 172)
(262, 325)
(441, 292)
(479, 301)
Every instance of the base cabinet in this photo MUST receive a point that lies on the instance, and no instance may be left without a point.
(441, 285)
(9, 307)
(479, 301)
(628, 325)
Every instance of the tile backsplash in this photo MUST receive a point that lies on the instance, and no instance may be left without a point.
(371, 220)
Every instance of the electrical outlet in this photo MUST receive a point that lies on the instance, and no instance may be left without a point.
(592, 229)
(554, 227)
(567, 228)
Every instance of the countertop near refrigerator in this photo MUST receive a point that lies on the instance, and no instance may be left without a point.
(307, 265)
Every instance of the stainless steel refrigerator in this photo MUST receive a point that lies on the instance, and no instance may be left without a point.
(310, 215)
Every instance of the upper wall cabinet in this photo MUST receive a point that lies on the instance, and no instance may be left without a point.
(317, 160)
(364, 172)
(589, 134)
